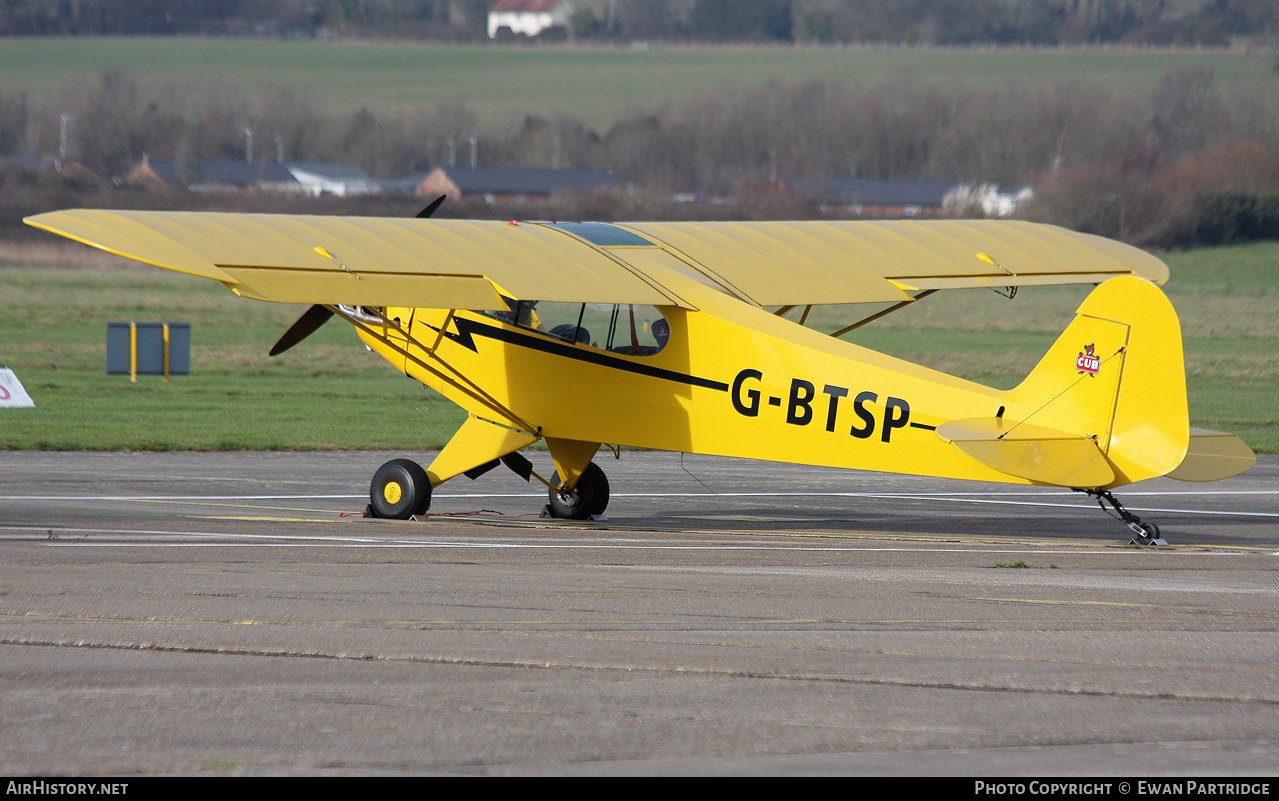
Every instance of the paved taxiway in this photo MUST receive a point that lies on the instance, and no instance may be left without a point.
(215, 613)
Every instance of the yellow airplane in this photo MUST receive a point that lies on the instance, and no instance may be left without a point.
(671, 336)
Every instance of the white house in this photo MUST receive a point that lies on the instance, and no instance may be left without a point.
(994, 200)
(1003, 201)
(333, 179)
(529, 17)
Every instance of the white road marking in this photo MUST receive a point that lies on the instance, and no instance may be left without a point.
(1081, 505)
(757, 494)
(605, 542)
(176, 497)
(611, 543)
(999, 498)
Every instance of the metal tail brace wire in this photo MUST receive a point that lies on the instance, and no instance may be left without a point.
(1048, 402)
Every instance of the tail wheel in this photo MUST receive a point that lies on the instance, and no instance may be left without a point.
(1149, 534)
(400, 490)
(589, 497)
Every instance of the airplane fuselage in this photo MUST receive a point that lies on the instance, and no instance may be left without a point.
(732, 380)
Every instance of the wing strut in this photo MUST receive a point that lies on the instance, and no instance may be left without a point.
(457, 380)
(883, 313)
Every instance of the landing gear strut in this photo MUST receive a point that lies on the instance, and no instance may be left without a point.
(588, 499)
(1144, 533)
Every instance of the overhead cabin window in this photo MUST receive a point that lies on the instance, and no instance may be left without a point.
(603, 235)
(639, 252)
(628, 329)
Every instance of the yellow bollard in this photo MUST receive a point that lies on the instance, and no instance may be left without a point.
(133, 352)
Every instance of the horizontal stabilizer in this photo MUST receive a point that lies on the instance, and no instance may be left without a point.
(1214, 455)
(1043, 455)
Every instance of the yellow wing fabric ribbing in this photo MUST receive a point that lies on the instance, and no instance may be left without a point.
(820, 262)
(464, 263)
(364, 260)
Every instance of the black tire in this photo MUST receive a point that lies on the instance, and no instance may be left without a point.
(1151, 533)
(589, 497)
(400, 489)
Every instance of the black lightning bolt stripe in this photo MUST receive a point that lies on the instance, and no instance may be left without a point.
(467, 330)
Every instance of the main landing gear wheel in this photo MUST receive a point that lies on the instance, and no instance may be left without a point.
(400, 490)
(587, 499)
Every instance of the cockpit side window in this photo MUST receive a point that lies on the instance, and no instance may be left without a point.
(629, 329)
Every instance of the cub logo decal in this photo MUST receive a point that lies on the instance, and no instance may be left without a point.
(1087, 362)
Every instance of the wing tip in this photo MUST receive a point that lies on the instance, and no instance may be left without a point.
(79, 225)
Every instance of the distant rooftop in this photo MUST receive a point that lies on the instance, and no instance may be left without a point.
(521, 181)
(532, 6)
(876, 193)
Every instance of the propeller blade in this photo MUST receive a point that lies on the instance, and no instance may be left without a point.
(431, 209)
(302, 328)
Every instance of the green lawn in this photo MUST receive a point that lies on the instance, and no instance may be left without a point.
(82, 410)
(330, 393)
(598, 85)
(327, 393)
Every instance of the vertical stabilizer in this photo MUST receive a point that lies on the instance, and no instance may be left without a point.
(1116, 375)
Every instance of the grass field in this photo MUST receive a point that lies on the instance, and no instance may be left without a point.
(597, 85)
(329, 393)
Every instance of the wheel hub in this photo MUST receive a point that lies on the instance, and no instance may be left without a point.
(393, 492)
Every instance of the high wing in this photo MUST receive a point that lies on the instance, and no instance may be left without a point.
(364, 261)
(800, 263)
(467, 264)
